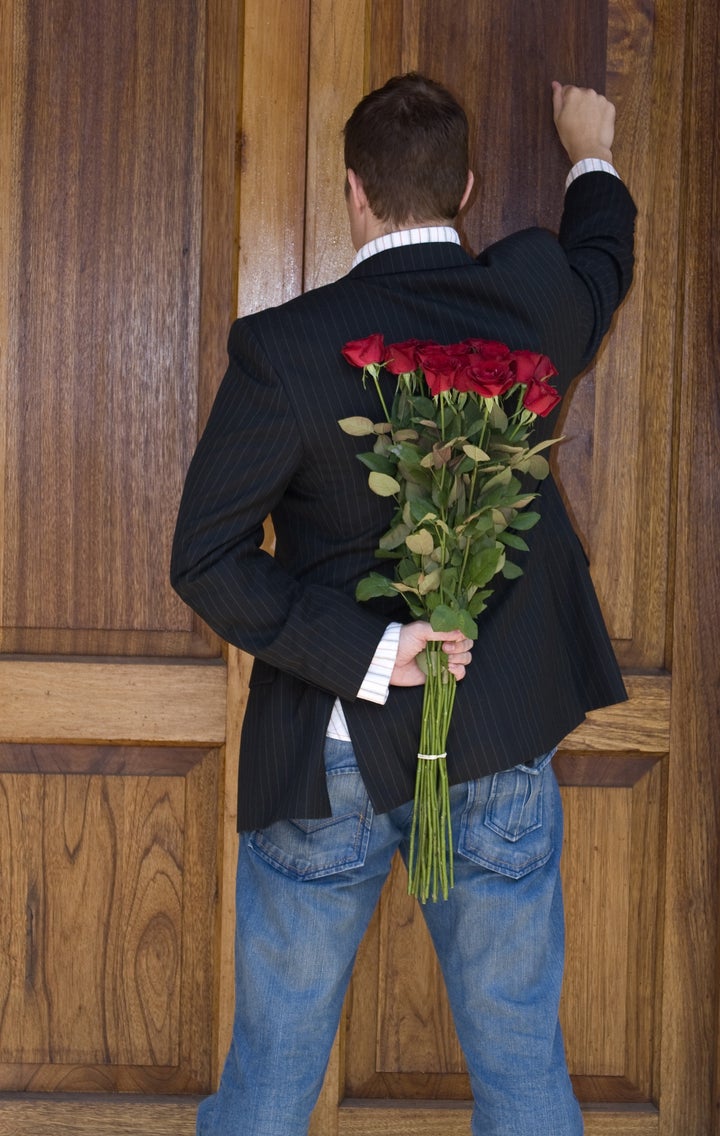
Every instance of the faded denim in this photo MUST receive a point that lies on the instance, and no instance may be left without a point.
(306, 891)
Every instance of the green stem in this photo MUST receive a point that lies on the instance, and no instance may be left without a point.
(468, 542)
(374, 369)
(430, 865)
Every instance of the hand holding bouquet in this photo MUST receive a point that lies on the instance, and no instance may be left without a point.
(450, 451)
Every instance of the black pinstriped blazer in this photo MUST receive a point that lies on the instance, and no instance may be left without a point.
(272, 445)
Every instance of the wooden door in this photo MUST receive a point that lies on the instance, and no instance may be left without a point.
(167, 163)
(117, 144)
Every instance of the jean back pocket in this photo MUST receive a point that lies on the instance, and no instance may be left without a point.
(508, 822)
(310, 849)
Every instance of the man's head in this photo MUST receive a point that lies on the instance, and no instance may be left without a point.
(407, 145)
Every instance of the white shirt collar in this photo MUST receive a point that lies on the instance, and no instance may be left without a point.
(427, 234)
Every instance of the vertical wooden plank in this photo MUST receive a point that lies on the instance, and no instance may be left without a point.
(690, 1004)
(201, 917)
(273, 147)
(596, 888)
(221, 194)
(7, 164)
(238, 675)
(337, 40)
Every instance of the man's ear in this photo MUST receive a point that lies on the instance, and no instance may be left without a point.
(468, 190)
(356, 190)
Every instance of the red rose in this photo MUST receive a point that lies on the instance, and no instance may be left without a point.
(540, 398)
(530, 366)
(440, 367)
(362, 352)
(402, 358)
(489, 348)
(486, 377)
(457, 350)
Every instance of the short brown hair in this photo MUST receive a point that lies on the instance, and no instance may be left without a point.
(408, 143)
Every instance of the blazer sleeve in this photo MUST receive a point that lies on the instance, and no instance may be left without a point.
(597, 234)
(244, 462)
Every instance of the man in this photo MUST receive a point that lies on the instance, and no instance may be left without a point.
(330, 734)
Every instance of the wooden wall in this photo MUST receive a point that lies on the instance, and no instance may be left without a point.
(166, 164)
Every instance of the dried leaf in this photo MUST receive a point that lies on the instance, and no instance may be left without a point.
(421, 542)
(383, 484)
(476, 453)
(357, 426)
(430, 582)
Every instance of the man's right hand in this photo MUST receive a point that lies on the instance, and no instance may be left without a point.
(585, 122)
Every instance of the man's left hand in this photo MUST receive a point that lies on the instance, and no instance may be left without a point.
(413, 638)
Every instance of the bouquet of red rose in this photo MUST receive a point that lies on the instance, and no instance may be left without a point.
(450, 451)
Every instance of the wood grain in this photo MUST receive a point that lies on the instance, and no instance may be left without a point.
(273, 146)
(104, 919)
(96, 1116)
(358, 1118)
(104, 324)
(121, 702)
(691, 1031)
(640, 725)
(93, 913)
(7, 232)
(596, 871)
(335, 77)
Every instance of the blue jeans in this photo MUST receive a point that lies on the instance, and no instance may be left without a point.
(305, 893)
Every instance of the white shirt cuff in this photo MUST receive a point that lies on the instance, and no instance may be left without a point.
(590, 166)
(376, 684)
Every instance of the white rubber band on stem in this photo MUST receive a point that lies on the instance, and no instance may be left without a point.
(431, 756)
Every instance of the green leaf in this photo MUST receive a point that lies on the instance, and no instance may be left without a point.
(477, 603)
(504, 478)
(421, 510)
(534, 464)
(383, 484)
(513, 541)
(525, 520)
(357, 426)
(538, 467)
(511, 571)
(407, 453)
(425, 407)
(468, 626)
(373, 586)
(417, 607)
(414, 475)
(445, 619)
(421, 542)
(394, 537)
(484, 565)
(377, 462)
(498, 418)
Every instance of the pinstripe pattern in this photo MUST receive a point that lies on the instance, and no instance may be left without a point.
(272, 444)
